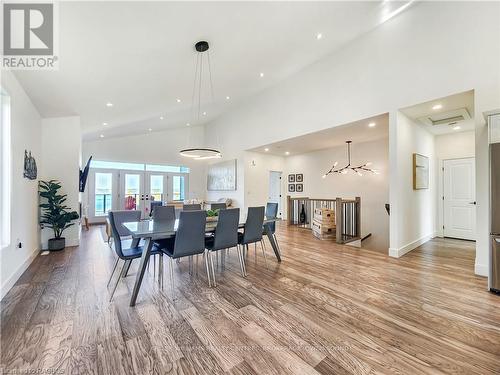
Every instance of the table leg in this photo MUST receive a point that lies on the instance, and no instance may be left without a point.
(142, 269)
(272, 241)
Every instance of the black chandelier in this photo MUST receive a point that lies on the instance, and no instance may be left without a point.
(201, 153)
(349, 168)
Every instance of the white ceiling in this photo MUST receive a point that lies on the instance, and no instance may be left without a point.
(448, 104)
(357, 132)
(140, 56)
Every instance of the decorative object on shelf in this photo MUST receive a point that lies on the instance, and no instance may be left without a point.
(291, 188)
(302, 216)
(291, 178)
(55, 214)
(299, 177)
(30, 170)
(299, 188)
(344, 170)
(83, 176)
(201, 153)
(222, 176)
(420, 172)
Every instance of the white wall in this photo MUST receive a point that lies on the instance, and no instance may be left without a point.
(372, 188)
(413, 212)
(154, 148)
(26, 135)
(450, 146)
(61, 158)
(394, 60)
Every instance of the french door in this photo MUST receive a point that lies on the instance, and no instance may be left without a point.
(138, 189)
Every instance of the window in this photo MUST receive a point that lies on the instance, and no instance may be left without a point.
(5, 170)
(166, 168)
(138, 166)
(178, 188)
(156, 182)
(103, 193)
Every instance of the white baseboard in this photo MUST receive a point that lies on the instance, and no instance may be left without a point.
(397, 253)
(9, 283)
(481, 269)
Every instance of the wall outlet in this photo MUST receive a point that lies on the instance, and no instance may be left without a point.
(19, 244)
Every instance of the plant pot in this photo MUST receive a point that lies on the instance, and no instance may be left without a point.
(212, 218)
(56, 244)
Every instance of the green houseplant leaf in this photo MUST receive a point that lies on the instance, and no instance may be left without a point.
(54, 214)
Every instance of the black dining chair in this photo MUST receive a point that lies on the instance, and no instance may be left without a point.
(218, 206)
(253, 229)
(189, 240)
(272, 213)
(125, 253)
(191, 207)
(153, 205)
(225, 237)
(164, 213)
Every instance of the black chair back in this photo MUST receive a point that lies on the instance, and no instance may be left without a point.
(226, 232)
(272, 213)
(190, 236)
(116, 218)
(191, 207)
(153, 205)
(253, 225)
(164, 213)
(218, 206)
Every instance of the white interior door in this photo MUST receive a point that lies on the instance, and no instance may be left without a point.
(459, 188)
(275, 189)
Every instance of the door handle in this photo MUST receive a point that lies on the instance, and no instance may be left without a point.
(472, 202)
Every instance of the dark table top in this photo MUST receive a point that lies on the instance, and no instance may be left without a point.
(157, 229)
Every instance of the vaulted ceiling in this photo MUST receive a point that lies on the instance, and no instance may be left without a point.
(139, 56)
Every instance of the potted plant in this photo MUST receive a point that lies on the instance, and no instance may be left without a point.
(55, 214)
(212, 215)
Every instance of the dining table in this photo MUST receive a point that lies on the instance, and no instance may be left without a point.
(151, 230)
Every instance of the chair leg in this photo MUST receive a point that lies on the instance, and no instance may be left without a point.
(113, 272)
(240, 257)
(277, 243)
(213, 269)
(127, 268)
(263, 245)
(117, 281)
(160, 271)
(205, 255)
(171, 266)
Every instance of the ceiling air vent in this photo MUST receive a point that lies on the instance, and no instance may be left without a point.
(446, 118)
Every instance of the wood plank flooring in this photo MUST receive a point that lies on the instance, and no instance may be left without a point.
(326, 309)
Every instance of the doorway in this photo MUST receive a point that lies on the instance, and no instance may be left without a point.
(459, 198)
(275, 189)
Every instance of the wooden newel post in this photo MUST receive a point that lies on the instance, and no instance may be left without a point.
(338, 220)
(358, 217)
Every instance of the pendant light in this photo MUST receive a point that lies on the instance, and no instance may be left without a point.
(201, 153)
(349, 168)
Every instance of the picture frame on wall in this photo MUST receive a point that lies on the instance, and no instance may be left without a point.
(299, 188)
(291, 178)
(299, 177)
(291, 188)
(420, 172)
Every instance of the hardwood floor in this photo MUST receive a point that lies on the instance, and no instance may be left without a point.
(325, 309)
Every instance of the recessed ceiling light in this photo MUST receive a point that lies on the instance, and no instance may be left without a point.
(188, 124)
(266, 149)
(437, 106)
(287, 153)
(372, 124)
(102, 136)
(457, 127)
(150, 129)
(319, 36)
(178, 100)
(105, 123)
(227, 98)
(261, 75)
(161, 117)
(108, 104)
